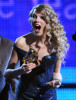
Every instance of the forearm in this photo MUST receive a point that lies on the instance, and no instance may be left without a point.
(12, 73)
(57, 76)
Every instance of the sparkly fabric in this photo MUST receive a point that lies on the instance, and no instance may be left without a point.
(33, 86)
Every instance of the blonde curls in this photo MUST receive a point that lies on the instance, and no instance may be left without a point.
(55, 31)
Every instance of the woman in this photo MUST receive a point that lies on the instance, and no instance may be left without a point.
(49, 41)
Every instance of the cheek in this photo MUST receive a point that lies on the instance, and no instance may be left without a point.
(32, 23)
(44, 24)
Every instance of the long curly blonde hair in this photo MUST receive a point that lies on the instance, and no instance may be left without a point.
(55, 31)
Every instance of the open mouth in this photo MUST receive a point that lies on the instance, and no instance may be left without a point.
(37, 28)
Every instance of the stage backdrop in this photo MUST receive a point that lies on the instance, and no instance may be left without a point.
(14, 22)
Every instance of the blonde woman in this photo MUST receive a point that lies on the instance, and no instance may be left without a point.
(49, 41)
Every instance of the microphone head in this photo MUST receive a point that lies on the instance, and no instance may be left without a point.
(74, 36)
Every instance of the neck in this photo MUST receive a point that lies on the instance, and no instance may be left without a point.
(40, 39)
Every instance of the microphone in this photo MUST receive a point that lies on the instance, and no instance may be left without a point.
(74, 36)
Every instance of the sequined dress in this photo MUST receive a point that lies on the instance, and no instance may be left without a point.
(33, 86)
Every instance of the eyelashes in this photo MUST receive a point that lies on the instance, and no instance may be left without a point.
(42, 17)
(34, 16)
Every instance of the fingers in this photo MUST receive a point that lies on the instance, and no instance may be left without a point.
(54, 83)
(27, 72)
(28, 67)
(51, 83)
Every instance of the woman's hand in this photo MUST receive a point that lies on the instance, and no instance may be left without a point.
(28, 67)
(54, 83)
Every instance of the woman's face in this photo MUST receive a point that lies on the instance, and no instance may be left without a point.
(38, 23)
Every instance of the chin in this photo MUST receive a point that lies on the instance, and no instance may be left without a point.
(38, 34)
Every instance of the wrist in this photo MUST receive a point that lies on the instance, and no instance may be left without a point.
(57, 76)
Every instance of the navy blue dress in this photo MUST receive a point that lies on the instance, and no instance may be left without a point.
(33, 86)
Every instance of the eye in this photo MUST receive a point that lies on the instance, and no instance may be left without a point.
(42, 17)
(34, 16)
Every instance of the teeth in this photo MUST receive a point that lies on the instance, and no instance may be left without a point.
(37, 25)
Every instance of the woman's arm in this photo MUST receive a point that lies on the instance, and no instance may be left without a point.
(57, 77)
(11, 72)
(57, 74)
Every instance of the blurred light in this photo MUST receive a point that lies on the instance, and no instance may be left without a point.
(68, 10)
(68, 74)
(66, 94)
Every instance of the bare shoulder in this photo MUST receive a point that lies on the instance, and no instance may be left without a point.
(21, 42)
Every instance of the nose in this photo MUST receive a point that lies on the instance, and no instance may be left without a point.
(37, 19)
